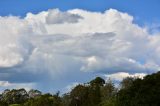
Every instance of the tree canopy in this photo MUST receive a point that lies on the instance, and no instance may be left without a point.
(97, 92)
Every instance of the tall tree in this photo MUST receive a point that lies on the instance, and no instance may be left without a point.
(79, 96)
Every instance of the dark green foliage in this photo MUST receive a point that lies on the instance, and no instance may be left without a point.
(97, 81)
(109, 102)
(87, 95)
(66, 100)
(15, 105)
(144, 92)
(94, 95)
(127, 82)
(2, 103)
(44, 100)
(15, 96)
(133, 92)
(108, 91)
(79, 96)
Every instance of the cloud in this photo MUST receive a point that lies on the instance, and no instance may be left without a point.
(121, 75)
(4, 83)
(7, 85)
(74, 45)
(69, 87)
(57, 17)
(13, 46)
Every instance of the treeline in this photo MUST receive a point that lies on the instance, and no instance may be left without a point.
(132, 92)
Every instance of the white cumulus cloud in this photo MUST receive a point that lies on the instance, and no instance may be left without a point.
(54, 44)
(121, 75)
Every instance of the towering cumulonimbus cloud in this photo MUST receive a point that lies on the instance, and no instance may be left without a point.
(41, 48)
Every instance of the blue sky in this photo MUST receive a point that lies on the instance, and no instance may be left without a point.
(144, 11)
(45, 46)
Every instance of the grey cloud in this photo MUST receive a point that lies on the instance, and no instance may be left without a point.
(59, 17)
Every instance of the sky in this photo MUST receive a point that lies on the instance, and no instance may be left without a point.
(54, 45)
(142, 10)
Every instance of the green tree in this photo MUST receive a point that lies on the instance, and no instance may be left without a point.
(98, 81)
(66, 99)
(108, 90)
(44, 100)
(94, 95)
(34, 93)
(127, 82)
(142, 92)
(79, 96)
(15, 96)
(2, 103)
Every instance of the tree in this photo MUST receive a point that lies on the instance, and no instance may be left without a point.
(14, 96)
(66, 99)
(34, 93)
(44, 100)
(15, 105)
(142, 92)
(97, 81)
(2, 103)
(108, 90)
(127, 82)
(79, 96)
(109, 102)
(94, 94)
